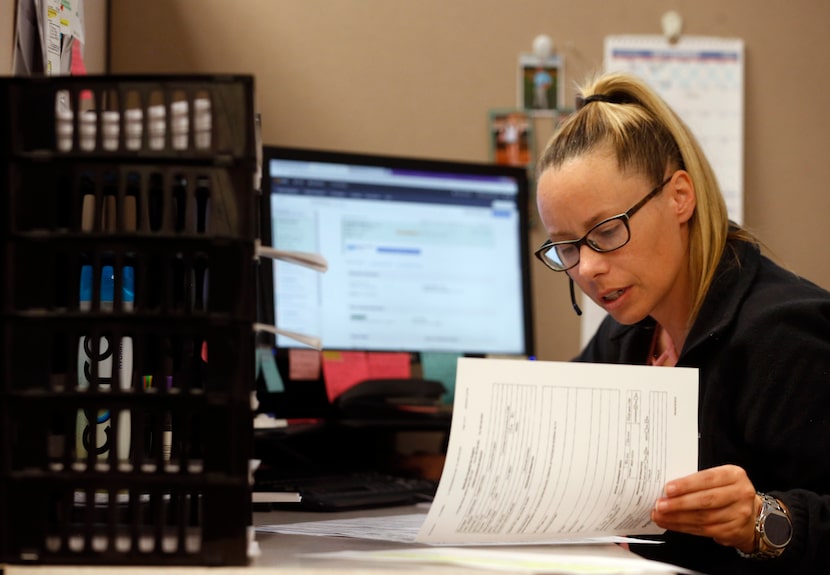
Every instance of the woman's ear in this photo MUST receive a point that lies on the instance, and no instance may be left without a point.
(682, 194)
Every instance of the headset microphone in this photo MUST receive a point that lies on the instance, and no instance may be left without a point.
(573, 298)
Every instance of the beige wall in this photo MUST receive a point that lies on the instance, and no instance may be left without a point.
(419, 77)
(6, 35)
(95, 48)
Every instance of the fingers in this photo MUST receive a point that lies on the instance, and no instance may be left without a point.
(732, 526)
(708, 499)
(719, 503)
(712, 478)
(727, 529)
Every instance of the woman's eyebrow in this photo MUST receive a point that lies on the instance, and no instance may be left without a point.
(586, 225)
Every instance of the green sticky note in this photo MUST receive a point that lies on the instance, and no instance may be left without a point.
(268, 367)
(441, 366)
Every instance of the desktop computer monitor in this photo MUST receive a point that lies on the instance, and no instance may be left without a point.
(424, 255)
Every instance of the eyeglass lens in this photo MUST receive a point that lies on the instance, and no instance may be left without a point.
(607, 236)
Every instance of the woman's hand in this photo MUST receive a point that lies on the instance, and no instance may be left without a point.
(719, 503)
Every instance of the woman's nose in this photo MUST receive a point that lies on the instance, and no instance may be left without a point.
(591, 263)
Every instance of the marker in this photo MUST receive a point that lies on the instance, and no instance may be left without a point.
(93, 432)
(167, 428)
(166, 421)
(90, 355)
(125, 361)
(202, 203)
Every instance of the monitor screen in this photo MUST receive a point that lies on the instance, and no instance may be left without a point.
(423, 255)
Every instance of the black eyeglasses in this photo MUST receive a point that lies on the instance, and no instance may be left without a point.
(608, 235)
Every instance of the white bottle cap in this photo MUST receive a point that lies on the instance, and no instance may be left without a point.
(179, 108)
(201, 105)
(156, 112)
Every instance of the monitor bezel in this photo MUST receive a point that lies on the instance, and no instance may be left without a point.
(518, 173)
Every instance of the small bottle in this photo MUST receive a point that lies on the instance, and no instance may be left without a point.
(156, 126)
(63, 122)
(133, 118)
(179, 124)
(202, 123)
(110, 128)
(88, 130)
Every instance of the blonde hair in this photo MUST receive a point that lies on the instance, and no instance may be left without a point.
(647, 137)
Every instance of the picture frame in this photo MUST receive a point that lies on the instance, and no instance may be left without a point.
(512, 140)
(540, 83)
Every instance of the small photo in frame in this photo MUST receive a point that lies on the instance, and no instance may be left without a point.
(540, 83)
(511, 137)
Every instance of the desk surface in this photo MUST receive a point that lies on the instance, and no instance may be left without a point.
(286, 554)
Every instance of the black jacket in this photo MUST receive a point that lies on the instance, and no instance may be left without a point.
(762, 346)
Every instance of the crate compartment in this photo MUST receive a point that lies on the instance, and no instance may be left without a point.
(162, 116)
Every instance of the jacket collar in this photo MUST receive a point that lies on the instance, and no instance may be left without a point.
(734, 275)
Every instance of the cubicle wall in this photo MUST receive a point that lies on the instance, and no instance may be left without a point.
(419, 78)
(6, 20)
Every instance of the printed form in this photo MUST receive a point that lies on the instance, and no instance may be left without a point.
(550, 451)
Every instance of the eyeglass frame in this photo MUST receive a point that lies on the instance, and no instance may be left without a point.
(625, 217)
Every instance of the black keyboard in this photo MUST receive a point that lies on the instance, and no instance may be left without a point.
(342, 491)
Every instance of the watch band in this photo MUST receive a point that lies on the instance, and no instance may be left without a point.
(765, 547)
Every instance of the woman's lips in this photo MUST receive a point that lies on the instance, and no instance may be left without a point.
(613, 296)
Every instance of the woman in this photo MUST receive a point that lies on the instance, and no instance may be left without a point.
(636, 219)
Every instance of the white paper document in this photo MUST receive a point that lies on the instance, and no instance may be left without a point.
(403, 528)
(546, 451)
(562, 560)
(398, 528)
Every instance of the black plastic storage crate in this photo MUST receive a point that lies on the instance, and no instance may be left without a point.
(128, 232)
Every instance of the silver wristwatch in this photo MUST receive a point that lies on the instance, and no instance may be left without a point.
(773, 529)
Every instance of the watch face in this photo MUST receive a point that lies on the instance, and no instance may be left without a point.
(777, 529)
